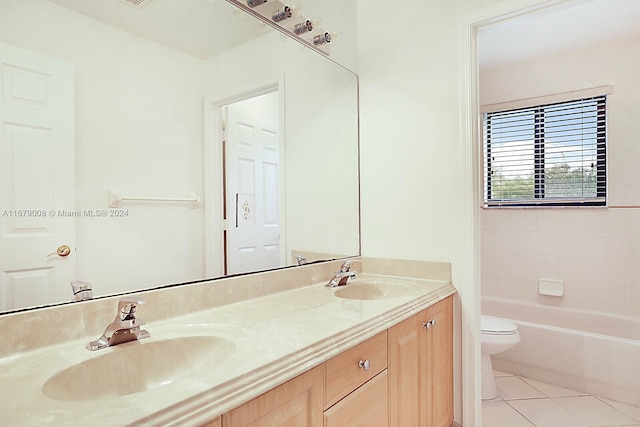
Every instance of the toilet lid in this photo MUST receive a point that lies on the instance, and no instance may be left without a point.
(497, 325)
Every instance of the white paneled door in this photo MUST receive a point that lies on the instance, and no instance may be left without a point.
(37, 179)
(252, 190)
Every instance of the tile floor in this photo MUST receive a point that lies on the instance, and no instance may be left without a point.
(523, 402)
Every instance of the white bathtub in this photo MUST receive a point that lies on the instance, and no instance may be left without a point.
(590, 352)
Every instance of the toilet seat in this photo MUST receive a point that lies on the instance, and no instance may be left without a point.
(497, 335)
(497, 326)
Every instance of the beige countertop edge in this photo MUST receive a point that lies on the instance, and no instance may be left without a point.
(222, 398)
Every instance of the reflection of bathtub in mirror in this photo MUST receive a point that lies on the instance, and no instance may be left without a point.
(138, 124)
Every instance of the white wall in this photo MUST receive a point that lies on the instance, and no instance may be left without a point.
(408, 63)
(412, 164)
(595, 251)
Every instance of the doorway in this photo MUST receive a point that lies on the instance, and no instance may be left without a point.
(37, 183)
(244, 180)
(522, 246)
(251, 184)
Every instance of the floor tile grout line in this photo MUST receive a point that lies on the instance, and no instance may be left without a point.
(573, 413)
(579, 393)
(527, 398)
(597, 398)
(601, 399)
(553, 399)
(520, 413)
(586, 423)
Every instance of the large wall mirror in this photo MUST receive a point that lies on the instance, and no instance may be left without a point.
(169, 142)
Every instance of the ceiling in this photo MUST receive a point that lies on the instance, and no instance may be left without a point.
(570, 26)
(204, 28)
(201, 28)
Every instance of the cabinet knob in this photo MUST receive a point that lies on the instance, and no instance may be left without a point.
(430, 324)
(364, 364)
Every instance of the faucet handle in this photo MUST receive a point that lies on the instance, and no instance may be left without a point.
(127, 308)
(346, 266)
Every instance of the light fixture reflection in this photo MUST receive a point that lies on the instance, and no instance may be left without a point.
(254, 3)
(303, 27)
(306, 31)
(321, 39)
(282, 14)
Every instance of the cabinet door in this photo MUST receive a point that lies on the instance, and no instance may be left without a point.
(440, 364)
(215, 423)
(407, 370)
(365, 407)
(296, 403)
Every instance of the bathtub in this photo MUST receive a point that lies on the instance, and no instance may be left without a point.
(594, 353)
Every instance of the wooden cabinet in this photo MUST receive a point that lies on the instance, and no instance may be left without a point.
(402, 377)
(356, 386)
(440, 364)
(421, 368)
(215, 423)
(407, 370)
(296, 403)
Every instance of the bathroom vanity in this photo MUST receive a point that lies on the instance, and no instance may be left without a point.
(402, 375)
(250, 350)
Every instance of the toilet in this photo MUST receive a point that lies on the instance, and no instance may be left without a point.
(497, 335)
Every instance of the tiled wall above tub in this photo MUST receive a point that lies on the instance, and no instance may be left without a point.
(594, 251)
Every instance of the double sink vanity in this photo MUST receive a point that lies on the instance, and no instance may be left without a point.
(261, 348)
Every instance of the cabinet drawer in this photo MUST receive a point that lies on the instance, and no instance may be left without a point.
(344, 373)
(365, 407)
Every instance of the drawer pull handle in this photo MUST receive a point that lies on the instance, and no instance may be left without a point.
(364, 364)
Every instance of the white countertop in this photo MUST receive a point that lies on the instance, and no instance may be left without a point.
(274, 338)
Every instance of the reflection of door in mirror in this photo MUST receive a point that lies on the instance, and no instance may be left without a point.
(252, 185)
(36, 179)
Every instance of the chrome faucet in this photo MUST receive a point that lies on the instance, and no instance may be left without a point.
(82, 291)
(342, 277)
(124, 328)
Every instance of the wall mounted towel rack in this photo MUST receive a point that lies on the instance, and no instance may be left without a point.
(116, 199)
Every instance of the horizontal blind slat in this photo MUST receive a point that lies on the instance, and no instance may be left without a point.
(546, 152)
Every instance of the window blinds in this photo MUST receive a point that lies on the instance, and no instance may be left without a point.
(546, 154)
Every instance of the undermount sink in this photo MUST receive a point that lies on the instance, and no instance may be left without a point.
(368, 289)
(137, 366)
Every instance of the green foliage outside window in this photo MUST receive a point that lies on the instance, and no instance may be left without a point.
(560, 181)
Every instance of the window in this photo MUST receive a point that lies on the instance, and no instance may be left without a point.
(551, 154)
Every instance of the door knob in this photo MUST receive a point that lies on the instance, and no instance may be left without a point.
(62, 251)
